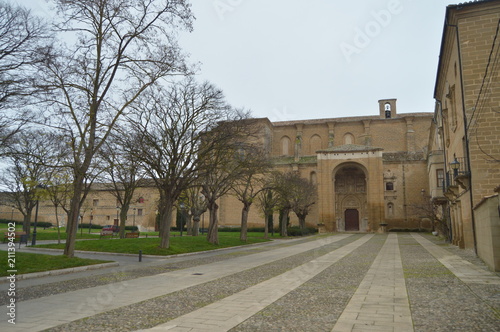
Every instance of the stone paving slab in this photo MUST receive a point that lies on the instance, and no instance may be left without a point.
(381, 302)
(462, 269)
(50, 311)
(231, 311)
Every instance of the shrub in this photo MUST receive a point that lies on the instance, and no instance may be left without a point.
(296, 231)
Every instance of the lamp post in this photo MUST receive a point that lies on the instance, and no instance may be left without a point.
(455, 165)
(133, 221)
(182, 216)
(12, 213)
(33, 240)
(91, 217)
(117, 215)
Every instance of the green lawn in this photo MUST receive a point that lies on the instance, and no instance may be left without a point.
(149, 246)
(29, 263)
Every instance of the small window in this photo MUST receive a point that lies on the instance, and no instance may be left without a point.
(389, 186)
(440, 178)
(139, 212)
(95, 202)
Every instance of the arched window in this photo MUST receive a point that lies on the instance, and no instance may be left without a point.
(285, 146)
(387, 108)
(349, 138)
(314, 178)
(315, 144)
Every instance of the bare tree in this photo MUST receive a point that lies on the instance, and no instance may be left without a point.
(28, 167)
(250, 182)
(267, 203)
(122, 174)
(197, 205)
(303, 196)
(170, 126)
(120, 50)
(293, 194)
(223, 165)
(22, 35)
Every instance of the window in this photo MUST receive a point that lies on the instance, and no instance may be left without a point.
(95, 202)
(389, 186)
(440, 178)
(348, 139)
(314, 178)
(285, 146)
(139, 212)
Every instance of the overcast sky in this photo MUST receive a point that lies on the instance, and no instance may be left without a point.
(310, 59)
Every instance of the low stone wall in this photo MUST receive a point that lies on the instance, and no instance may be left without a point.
(487, 220)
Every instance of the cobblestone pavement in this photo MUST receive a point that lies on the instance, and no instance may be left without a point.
(343, 282)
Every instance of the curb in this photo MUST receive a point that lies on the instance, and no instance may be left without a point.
(61, 271)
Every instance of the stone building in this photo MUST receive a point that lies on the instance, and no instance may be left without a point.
(465, 134)
(370, 171)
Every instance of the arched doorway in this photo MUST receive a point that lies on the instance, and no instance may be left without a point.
(350, 197)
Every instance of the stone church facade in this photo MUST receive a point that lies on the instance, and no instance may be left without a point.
(370, 171)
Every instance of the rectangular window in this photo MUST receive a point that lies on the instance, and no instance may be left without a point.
(95, 202)
(139, 212)
(440, 178)
(389, 186)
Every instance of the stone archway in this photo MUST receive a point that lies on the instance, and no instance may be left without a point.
(350, 198)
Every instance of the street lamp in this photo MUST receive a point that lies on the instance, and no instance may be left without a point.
(455, 165)
(182, 216)
(91, 217)
(133, 222)
(33, 240)
(117, 216)
(12, 214)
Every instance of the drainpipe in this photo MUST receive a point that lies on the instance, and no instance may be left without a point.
(439, 104)
(466, 132)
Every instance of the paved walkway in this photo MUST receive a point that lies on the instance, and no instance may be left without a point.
(380, 302)
(46, 312)
(225, 314)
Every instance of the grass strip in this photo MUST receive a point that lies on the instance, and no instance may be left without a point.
(30, 263)
(150, 246)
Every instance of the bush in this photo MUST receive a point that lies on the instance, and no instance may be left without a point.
(42, 224)
(406, 230)
(93, 226)
(296, 231)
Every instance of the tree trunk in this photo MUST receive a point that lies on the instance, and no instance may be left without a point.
(58, 228)
(213, 235)
(165, 224)
(196, 226)
(284, 222)
(244, 222)
(72, 225)
(123, 220)
(302, 223)
(27, 222)
(266, 226)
